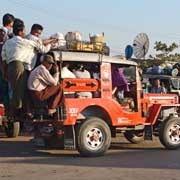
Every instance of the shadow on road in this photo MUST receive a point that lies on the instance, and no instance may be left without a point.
(123, 155)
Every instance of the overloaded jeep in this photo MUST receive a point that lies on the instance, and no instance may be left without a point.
(87, 124)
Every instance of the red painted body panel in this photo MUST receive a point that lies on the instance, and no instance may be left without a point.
(148, 106)
(118, 116)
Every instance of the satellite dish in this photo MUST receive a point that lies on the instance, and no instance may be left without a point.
(128, 51)
(141, 45)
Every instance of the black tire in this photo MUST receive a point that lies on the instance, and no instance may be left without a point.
(13, 129)
(100, 131)
(134, 137)
(169, 133)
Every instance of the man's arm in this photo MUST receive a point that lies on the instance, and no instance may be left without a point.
(3, 53)
(41, 48)
(48, 41)
(38, 45)
(4, 63)
(49, 79)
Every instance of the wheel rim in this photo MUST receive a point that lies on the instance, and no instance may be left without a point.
(94, 138)
(174, 134)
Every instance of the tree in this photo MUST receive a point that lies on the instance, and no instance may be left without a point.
(166, 52)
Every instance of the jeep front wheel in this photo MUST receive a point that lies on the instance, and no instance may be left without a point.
(94, 137)
(169, 133)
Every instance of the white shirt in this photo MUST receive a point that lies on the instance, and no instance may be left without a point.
(66, 73)
(7, 31)
(18, 49)
(41, 49)
(83, 74)
(40, 78)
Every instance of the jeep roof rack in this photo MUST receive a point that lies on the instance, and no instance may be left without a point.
(89, 57)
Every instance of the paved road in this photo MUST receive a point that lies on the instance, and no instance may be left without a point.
(19, 160)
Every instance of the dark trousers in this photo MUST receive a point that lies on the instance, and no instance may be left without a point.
(53, 94)
(17, 77)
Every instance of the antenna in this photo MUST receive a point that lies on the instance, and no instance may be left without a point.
(141, 45)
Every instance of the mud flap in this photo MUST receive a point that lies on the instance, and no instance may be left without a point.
(69, 137)
(148, 133)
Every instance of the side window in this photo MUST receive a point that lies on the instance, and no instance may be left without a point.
(83, 84)
(123, 77)
(124, 88)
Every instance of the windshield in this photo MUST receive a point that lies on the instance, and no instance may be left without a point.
(129, 73)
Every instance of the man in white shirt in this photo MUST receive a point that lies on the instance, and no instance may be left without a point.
(17, 52)
(44, 46)
(44, 86)
(81, 72)
(14, 54)
(66, 73)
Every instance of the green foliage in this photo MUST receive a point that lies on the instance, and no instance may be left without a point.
(166, 52)
(163, 47)
(164, 55)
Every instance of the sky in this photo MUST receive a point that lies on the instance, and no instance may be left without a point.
(120, 20)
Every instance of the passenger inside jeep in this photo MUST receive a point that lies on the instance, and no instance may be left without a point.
(161, 86)
(79, 70)
(67, 73)
(124, 90)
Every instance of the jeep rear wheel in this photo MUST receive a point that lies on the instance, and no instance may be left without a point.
(134, 137)
(169, 133)
(94, 137)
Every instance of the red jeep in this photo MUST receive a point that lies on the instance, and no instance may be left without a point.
(87, 124)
